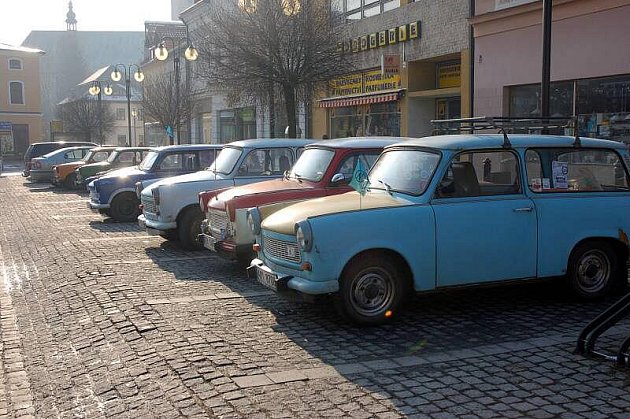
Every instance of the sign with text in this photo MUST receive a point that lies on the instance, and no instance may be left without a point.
(6, 126)
(449, 75)
(366, 82)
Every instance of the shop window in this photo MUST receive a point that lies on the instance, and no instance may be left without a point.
(237, 124)
(383, 119)
(15, 64)
(16, 93)
(120, 114)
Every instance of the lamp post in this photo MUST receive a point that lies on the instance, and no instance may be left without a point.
(96, 90)
(191, 54)
(138, 76)
(134, 113)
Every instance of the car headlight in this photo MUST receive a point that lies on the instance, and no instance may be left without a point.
(304, 235)
(156, 195)
(138, 189)
(254, 220)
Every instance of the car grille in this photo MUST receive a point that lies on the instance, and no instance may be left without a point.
(281, 249)
(217, 221)
(148, 205)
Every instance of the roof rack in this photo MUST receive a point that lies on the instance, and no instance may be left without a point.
(503, 124)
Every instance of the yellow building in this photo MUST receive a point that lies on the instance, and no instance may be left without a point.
(20, 99)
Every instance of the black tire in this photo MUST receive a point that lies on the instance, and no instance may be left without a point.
(593, 270)
(170, 235)
(68, 182)
(125, 207)
(189, 228)
(371, 291)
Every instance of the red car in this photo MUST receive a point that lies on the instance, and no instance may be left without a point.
(324, 168)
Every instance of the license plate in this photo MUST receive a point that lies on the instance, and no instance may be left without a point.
(209, 242)
(266, 278)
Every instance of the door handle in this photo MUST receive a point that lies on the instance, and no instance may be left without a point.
(525, 209)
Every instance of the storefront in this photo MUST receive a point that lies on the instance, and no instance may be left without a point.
(412, 71)
(590, 69)
(364, 104)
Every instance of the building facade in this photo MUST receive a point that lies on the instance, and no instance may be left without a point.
(590, 64)
(20, 100)
(413, 61)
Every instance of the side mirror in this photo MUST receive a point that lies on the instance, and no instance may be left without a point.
(337, 178)
(242, 170)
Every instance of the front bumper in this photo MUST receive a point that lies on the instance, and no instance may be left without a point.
(96, 206)
(227, 249)
(148, 223)
(41, 175)
(281, 283)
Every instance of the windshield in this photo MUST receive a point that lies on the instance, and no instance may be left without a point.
(406, 171)
(226, 160)
(312, 164)
(148, 161)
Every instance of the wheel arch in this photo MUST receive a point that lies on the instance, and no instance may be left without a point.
(620, 248)
(117, 192)
(399, 260)
(186, 209)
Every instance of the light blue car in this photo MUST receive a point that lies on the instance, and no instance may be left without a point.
(456, 210)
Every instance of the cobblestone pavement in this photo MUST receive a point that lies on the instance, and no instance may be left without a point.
(99, 319)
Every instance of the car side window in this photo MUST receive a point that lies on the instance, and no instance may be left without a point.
(100, 156)
(575, 170)
(179, 161)
(75, 154)
(126, 156)
(206, 157)
(482, 173)
(266, 162)
(347, 166)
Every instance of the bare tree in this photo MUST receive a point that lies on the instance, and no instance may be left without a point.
(86, 119)
(259, 46)
(161, 104)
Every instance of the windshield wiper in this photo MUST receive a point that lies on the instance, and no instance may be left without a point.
(387, 187)
(298, 177)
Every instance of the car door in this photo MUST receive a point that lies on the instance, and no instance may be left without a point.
(485, 225)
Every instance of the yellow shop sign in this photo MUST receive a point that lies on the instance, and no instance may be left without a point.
(366, 82)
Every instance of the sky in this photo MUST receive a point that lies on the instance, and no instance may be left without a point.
(20, 17)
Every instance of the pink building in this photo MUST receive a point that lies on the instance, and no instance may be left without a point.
(590, 62)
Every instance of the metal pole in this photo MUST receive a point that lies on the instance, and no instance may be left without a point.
(127, 88)
(100, 115)
(546, 60)
(176, 67)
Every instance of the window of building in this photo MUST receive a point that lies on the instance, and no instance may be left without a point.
(121, 114)
(377, 119)
(237, 124)
(358, 9)
(122, 140)
(15, 64)
(602, 105)
(16, 93)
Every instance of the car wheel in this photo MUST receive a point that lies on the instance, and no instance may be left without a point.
(68, 182)
(125, 207)
(593, 269)
(170, 235)
(189, 227)
(371, 290)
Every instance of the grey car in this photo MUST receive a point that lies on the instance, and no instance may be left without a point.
(42, 167)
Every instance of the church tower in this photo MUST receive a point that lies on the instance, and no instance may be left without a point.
(71, 19)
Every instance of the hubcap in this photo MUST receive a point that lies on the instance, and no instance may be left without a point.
(593, 271)
(372, 292)
(127, 207)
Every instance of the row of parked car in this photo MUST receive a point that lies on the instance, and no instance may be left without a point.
(370, 220)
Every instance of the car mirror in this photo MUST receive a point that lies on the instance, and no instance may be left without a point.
(338, 178)
(243, 170)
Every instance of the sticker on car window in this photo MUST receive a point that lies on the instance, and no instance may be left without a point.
(560, 172)
(536, 185)
(545, 183)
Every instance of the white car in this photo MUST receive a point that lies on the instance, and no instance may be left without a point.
(171, 206)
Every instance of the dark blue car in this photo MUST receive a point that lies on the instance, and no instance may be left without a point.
(114, 194)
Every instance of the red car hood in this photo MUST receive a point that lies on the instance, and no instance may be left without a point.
(265, 192)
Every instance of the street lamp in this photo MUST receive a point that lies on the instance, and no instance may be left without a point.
(134, 113)
(96, 90)
(117, 76)
(191, 54)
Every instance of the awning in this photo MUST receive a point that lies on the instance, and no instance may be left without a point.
(361, 99)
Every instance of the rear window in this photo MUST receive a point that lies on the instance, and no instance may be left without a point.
(575, 170)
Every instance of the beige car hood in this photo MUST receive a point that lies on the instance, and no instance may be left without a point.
(283, 221)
